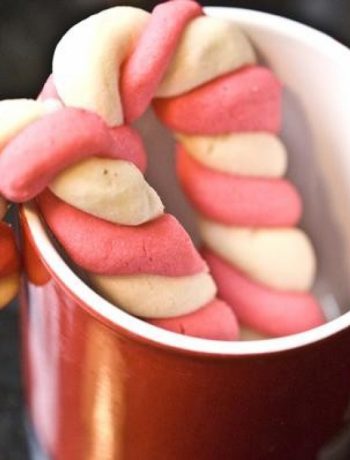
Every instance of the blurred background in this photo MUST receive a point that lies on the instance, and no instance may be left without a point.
(28, 33)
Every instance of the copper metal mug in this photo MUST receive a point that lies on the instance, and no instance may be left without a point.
(102, 385)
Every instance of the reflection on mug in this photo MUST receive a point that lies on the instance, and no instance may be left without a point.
(103, 395)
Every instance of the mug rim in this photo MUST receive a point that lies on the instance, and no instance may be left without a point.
(161, 337)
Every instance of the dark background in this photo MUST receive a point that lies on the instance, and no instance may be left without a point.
(29, 30)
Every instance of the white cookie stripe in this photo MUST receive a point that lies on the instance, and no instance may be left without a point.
(87, 60)
(154, 296)
(16, 114)
(114, 190)
(280, 258)
(209, 48)
(250, 154)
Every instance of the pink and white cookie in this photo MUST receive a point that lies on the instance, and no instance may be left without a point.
(98, 196)
(247, 210)
(75, 152)
(129, 264)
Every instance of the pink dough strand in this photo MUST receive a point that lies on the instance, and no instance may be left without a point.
(58, 140)
(268, 311)
(160, 246)
(146, 66)
(245, 100)
(215, 321)
(235, 200)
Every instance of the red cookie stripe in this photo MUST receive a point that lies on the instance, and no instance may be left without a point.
(215, 321)
(235, 200)
(268, 311)
(49, 145)
(146, 66)
(160, 246)
(245, 100)
(9, 260)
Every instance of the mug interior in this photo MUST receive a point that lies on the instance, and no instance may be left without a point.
(315, 71)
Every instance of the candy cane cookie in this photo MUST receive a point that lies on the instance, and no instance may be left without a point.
(143, 260)
(231, 166)
(85, 164)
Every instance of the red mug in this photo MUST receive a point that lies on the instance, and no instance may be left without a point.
(103, 385)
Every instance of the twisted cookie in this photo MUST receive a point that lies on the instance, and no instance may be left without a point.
(142, 259)
(86, 163)
(231, 166)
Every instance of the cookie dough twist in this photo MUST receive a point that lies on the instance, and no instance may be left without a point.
(98, 204)
(225, 111)
(231, 164)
